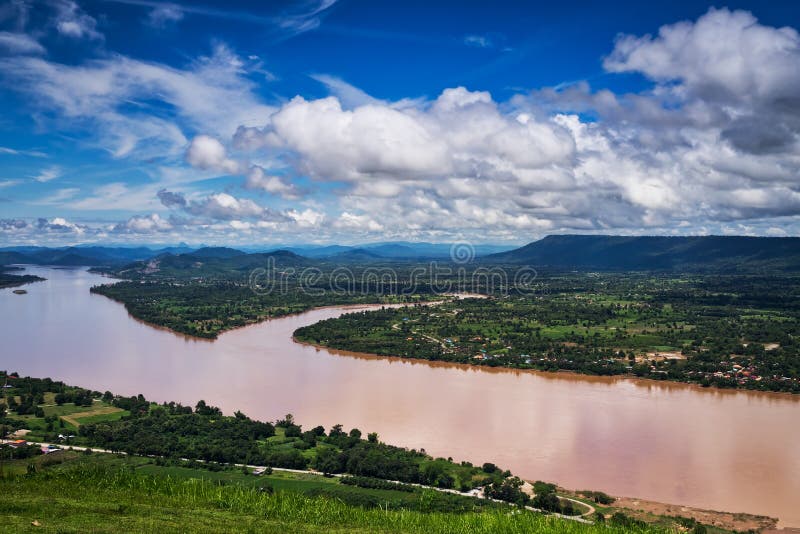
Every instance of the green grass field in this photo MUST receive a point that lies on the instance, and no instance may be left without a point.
(92, 497)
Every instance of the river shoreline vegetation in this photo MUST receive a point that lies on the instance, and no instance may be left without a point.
(206, 309)
(183, 469)
(709, 328)
(712, 330)
(9, 279)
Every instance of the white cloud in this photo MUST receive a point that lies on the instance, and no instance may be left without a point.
(20, 43)
(17, 152)
(479, 41)
(58, 196)
(349, 95)
(711, 146)
(258, 180)
(308, 218)
(211, 94)
(724, 53)
(206, 153)
(48, 174)
(460, 133)
(145, 224)
(60, 225)
(72, 21)
(163, 14)
(225, 206)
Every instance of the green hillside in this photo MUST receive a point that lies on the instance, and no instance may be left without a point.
(89, 497)
(648, 253)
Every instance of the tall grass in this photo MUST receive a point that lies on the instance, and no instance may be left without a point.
(134, 492)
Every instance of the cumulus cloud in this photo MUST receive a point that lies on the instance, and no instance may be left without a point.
(743, 73)
(206, 152)
(219, 206)
(12, 225)
(711, 145)
(59, 225)
(225, 206)
(357, 222)
(723, 54)
(258, 180)
(171, 199)
(460, 133)
(307, 218)
(143, 224)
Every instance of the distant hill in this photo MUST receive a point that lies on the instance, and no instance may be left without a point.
(356, 255)
(316, 252)
(390, 250)
(209, 262)
(84, 255)
(215, 252)
(631, 253)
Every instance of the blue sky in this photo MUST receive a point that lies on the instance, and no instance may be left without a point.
(340, 121)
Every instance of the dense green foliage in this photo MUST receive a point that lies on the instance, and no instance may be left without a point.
(203, 433)
(205, 309)
(8, 279)
(175, 431)
(376, 483)
(725, 331)
(67, 490)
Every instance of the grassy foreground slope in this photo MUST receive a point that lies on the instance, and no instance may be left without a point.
(92, 498)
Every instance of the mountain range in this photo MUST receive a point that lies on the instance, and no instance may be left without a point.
(556, 252)
(655, 253)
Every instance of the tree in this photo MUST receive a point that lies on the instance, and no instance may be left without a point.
(204, 409)
(328, 461)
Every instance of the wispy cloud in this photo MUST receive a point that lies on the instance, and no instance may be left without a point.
(478, 41)
(58, 196)
(16, 152)
(349, 95)
(9, 183)
(50, 173)
(164, 14)
(305, 17)
(20, 43)
(72, 21)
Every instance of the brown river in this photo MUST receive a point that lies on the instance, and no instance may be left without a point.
(721, 450)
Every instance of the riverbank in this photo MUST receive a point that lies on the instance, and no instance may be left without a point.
(651, 513)
(659, 441)
(553, 375)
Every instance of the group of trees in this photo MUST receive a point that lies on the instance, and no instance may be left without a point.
(205, 434)
(175, 432)
(31, 393)
(206, 309)
(12, 280)
(602, 325)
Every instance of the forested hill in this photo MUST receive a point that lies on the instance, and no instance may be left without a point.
(626, 253)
